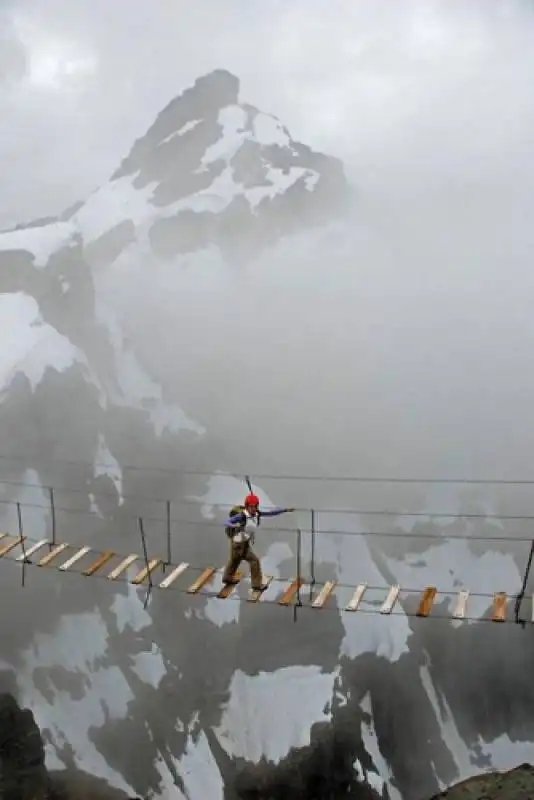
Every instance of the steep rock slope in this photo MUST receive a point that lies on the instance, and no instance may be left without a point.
(516, 784)
(23, 772)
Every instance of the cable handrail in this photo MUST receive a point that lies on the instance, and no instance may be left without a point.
(177, 521)
(307, 509)
(279, 476)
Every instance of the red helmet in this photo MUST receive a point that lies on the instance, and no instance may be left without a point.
(252, 500)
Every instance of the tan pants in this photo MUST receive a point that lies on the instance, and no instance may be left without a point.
(242, 551)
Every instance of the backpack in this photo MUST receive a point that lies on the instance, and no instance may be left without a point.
(230, 532)
(233, 511)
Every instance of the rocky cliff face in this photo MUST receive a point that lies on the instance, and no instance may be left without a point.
(516, 784)
(23, 773)
(323, 769)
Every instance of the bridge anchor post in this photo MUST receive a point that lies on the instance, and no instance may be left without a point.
(145, 555)
(521, 594)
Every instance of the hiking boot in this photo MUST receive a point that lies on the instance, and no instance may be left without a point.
(230, 581)
(261, 588)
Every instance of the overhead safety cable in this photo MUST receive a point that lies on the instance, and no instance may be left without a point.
(196, 502)
(272, 477)
(396, 534)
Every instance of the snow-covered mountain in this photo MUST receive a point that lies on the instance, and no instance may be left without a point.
(129, 320)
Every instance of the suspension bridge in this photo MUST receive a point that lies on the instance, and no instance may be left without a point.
(162, 572)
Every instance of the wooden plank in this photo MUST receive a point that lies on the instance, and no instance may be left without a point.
(31, 550)
(148, 570)
(99, 562)
(391, 599)
(290, 592)
(427, 601)
(228, 588)
(177, 571)
(255, 595)
(324, 594)
(7, 548)
(122, 567)
(52, 554)
(461, 604)
(76, 557)
(499, 607)
(356, 598)
(201, 581)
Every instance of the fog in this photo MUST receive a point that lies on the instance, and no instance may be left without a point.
(415, 88)
(397, 341)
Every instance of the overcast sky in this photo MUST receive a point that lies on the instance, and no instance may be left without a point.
(374, 81)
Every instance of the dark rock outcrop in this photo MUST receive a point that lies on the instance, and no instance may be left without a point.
(325, 768)
(517, 784)
(23, 774)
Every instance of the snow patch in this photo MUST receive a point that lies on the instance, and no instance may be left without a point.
(69, 721)
(113, 203)
(311, 179)
(214, 198)
(149, 667)
(106, 464)
(129, 610)
(449, 732)
(29, 344)
(372, 778)
(505, 754)
(452, 562)
(268, 130)
(233, 120)
(40, 242)
(199, 771)
(370, 742)
(224, 491)
(94, 506)
(180, 132)
(140, 391)
(280, 182)
(134, 388)
(269, 713)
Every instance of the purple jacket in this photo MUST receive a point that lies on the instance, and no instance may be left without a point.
(237, 519)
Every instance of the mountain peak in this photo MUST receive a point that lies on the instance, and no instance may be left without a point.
(211, 171)
(208, 94)
(216, 171)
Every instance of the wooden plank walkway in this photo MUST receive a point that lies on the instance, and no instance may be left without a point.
(85, 561)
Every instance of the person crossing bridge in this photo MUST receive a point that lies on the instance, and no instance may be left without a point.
(241, 527)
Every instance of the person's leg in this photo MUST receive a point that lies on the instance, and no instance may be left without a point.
(234, 560)
(256, 578)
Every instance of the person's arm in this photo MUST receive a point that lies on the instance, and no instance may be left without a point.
(275, 512)
(234, 519)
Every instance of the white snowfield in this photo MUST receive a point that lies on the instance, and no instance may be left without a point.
(119, 201)
(30, 345)
(40, 242)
